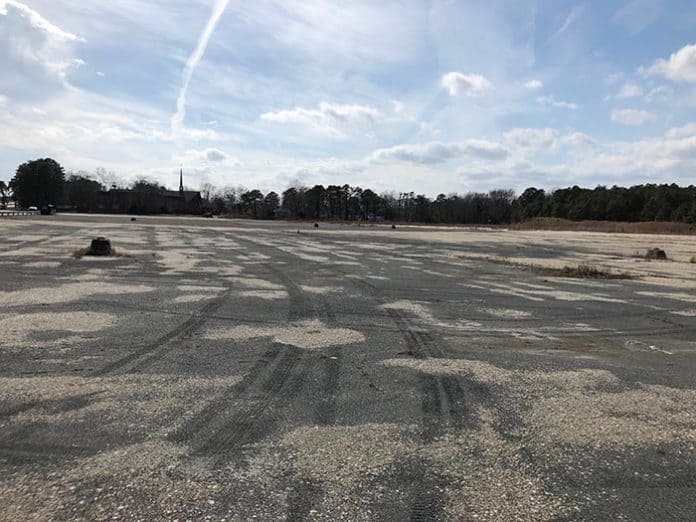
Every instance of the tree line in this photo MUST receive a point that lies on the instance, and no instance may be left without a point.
(650, 202)
(44, 181)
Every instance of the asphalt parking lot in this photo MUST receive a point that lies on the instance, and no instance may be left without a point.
(237, 370)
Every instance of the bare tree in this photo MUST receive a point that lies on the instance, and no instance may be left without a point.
(208, 191)
(108, 179)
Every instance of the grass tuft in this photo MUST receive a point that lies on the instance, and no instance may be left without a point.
(582, 271)
(592, 272)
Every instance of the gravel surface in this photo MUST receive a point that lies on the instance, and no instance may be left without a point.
(237, 370)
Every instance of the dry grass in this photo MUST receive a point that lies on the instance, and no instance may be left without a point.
(646, 255)
(544, 223)
(646, 227)
(593, 272)
(581, 271)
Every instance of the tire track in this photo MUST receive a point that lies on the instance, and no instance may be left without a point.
(445, 404)
(299, 307)
(326, 402)
(442, 405)
(329, 364)
(16, 444)
(304, 494)
(253, 413)
(41, 452)
(427, 500)
(148, 354)
(53, 406)
(256, 407)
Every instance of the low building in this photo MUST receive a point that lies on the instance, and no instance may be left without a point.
(151, 201)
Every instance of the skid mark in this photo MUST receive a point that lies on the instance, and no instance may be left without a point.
(150, 353)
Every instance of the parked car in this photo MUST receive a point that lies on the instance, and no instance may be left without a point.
(33, 208)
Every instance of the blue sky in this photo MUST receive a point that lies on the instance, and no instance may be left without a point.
(426, 96)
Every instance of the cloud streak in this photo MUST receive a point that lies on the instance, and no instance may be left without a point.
(38, 21)
(632, 116)
(550, 101)
(325, 117)
(572, 16)
(192, 62)
(438, 152)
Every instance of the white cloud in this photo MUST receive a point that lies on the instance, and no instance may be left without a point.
(86, 131)
(550, 101)
(215, 155)
(664, 158)
(37, 21)
(686, 131)
(612, 78)
(205, 161)
(326, 117)
(633, 117)
(397, 106)
(681, 66)
(36, 55)
(636, 15)
(427, 129)
(360, 33)
(318, 171)
(572, 16)
(324, 51)
(438, 152)
(218, 8)
(670, 158)
(469, 84)
(630, 90)
(544, 139)
(659, 93)
(349, 113)
(576, 139)
(531, 138)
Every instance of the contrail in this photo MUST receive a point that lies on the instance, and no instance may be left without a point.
(192, 62)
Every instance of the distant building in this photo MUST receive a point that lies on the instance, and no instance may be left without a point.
(151, 202)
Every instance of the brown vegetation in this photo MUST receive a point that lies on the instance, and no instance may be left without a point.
(581, 271)
(656, 253)
(644, 227)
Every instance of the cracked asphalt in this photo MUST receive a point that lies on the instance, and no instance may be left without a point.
(238, 370)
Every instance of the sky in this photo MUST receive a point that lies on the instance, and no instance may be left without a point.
(430, 96)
